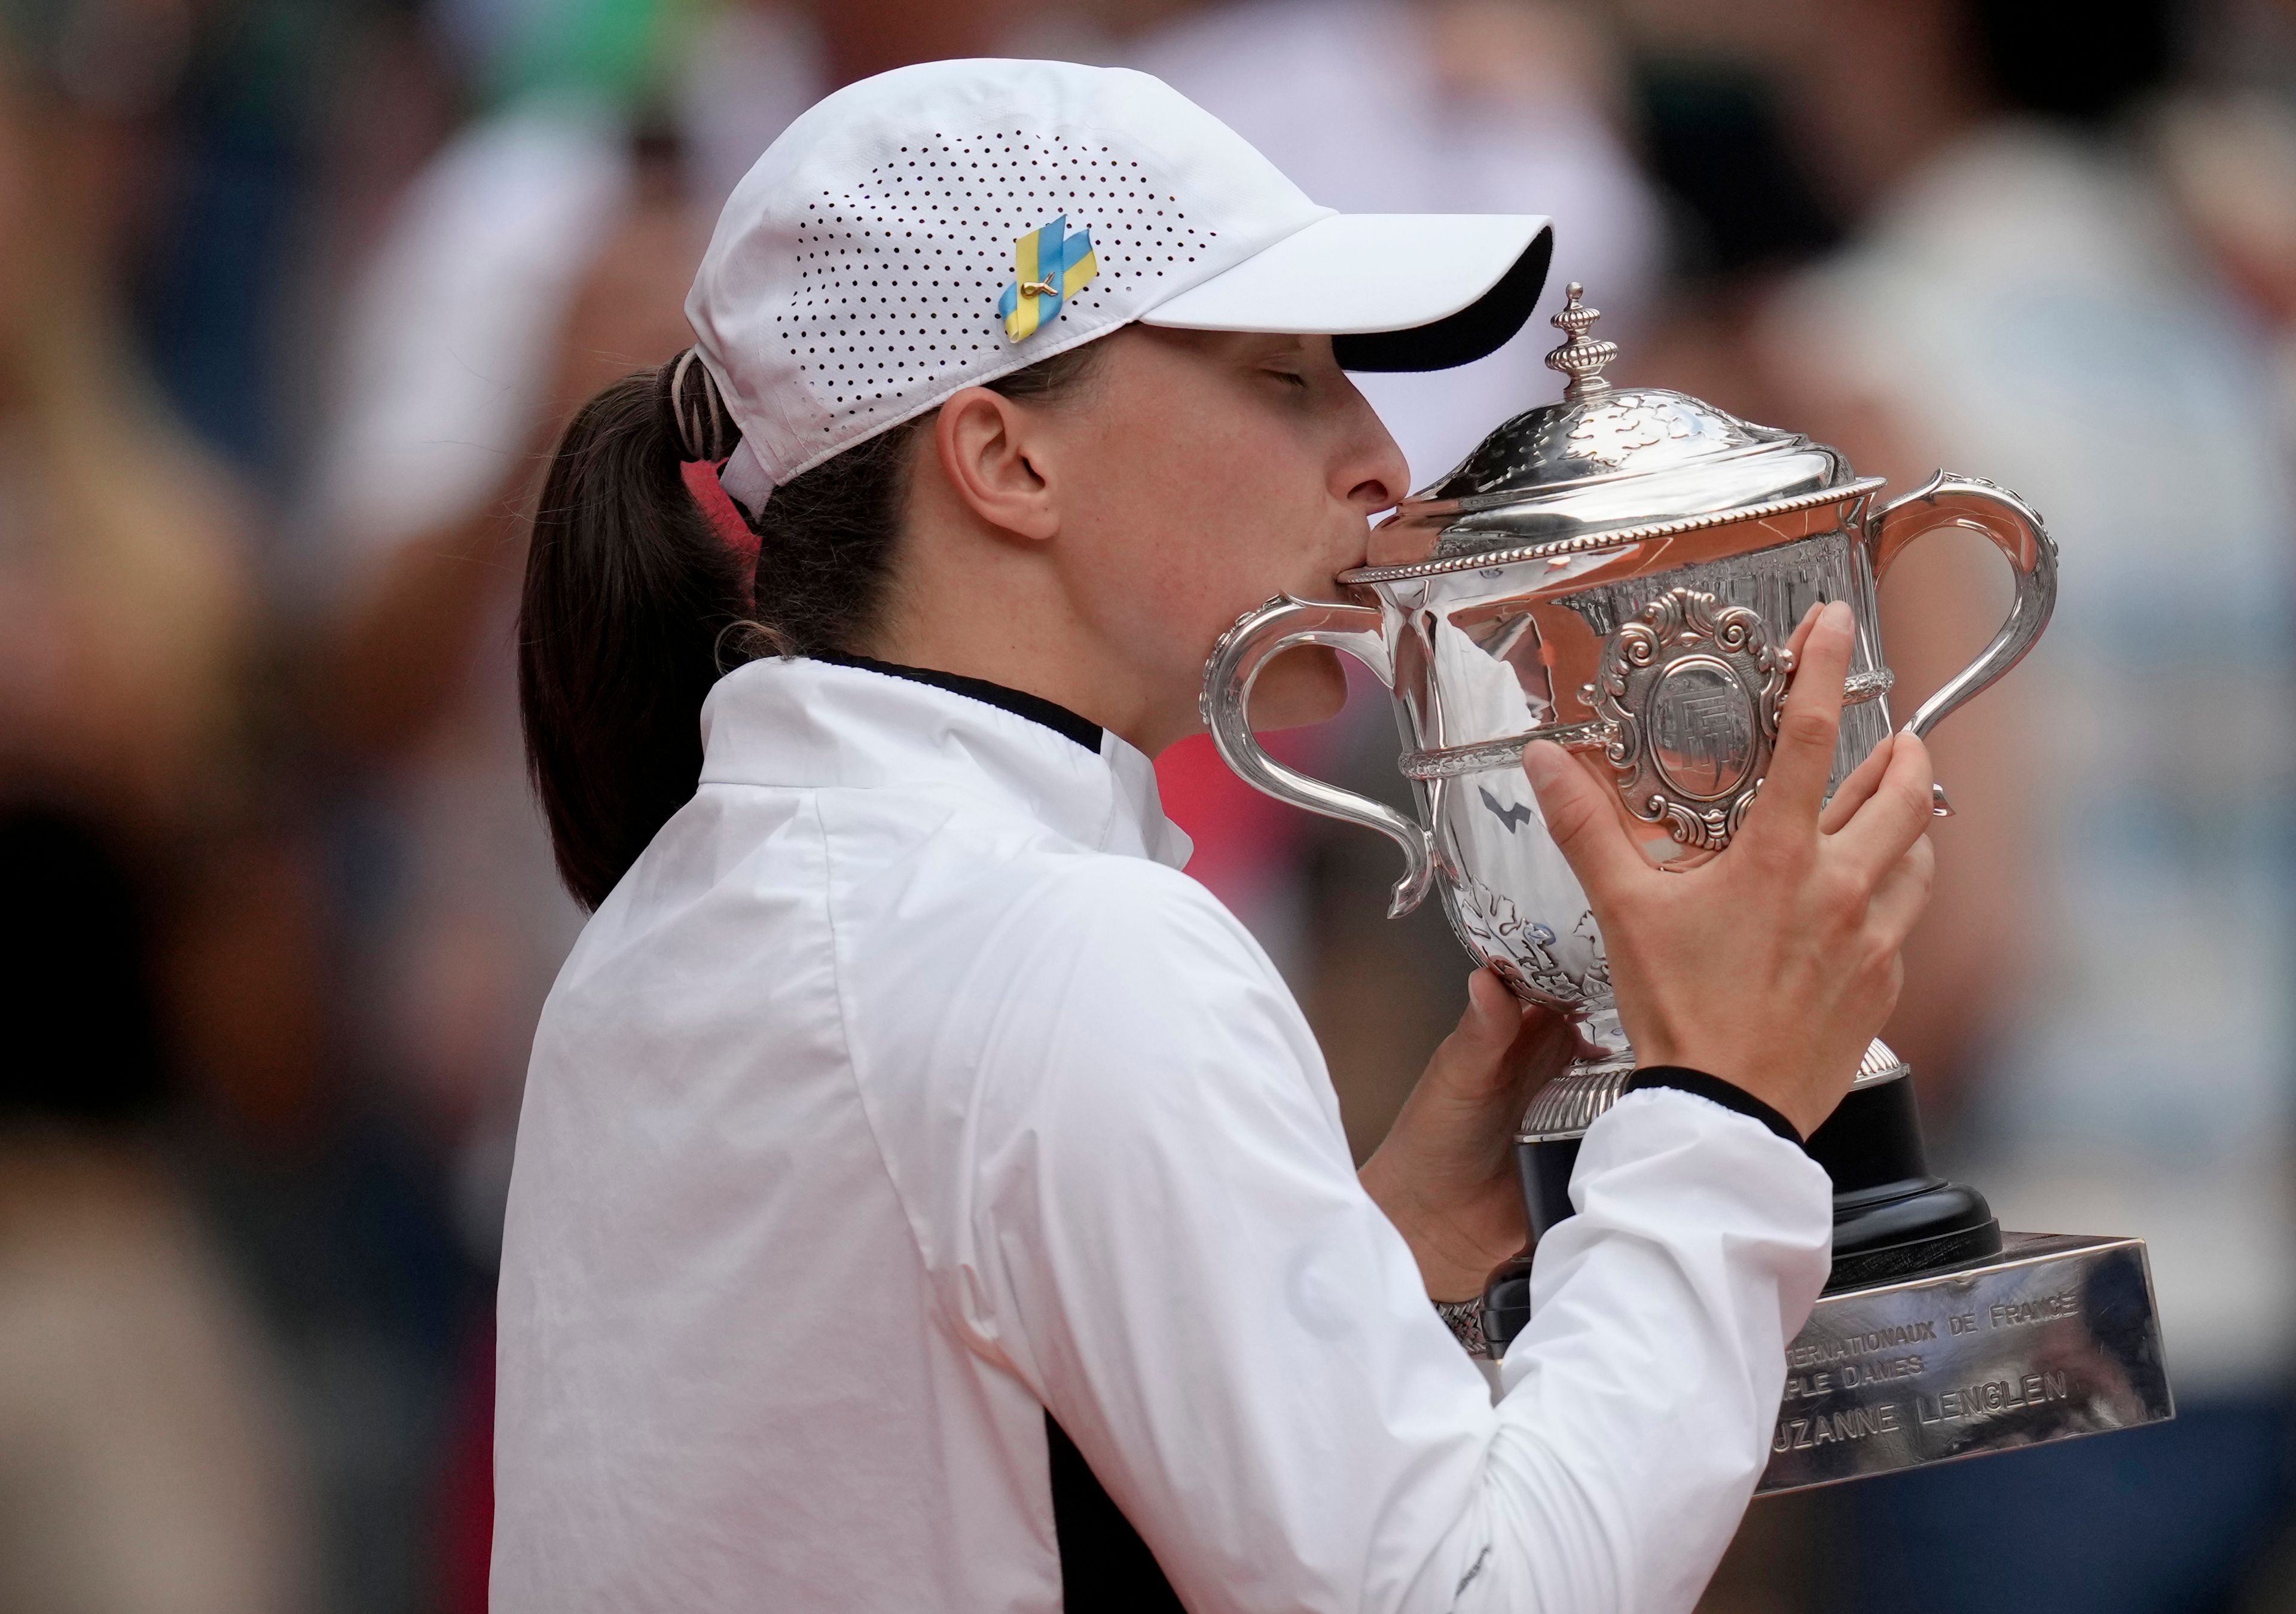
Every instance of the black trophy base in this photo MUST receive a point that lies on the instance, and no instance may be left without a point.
(1892, 1218)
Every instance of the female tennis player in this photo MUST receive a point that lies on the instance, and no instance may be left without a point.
(928, 1197)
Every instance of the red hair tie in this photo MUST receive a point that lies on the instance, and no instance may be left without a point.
(726, 518)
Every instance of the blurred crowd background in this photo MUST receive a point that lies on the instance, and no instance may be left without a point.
(294, 293)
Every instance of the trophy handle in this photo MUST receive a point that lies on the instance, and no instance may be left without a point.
(1281, 624)
(2015, 530)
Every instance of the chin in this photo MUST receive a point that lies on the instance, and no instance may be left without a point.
(1300, 687)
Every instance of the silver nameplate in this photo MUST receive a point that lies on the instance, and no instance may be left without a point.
(2056, 1337)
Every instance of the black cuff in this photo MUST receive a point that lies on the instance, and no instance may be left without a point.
(1713, 1088)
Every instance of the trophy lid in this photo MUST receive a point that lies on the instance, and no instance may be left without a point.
(1604, 461)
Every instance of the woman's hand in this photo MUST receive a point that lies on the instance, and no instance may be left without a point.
(1774, 965)
(1445, 1175)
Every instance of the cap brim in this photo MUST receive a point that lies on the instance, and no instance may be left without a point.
(1394, 291)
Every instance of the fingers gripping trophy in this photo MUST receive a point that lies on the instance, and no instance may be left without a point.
(1633, 575)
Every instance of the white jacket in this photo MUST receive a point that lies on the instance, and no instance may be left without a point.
(905, 1092)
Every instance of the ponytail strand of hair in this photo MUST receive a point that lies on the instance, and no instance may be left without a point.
(629, 586)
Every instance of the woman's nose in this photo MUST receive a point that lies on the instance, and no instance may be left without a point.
(1376, 477)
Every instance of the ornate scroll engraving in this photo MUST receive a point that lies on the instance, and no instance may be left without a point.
(1525, 951)
(1691, 690)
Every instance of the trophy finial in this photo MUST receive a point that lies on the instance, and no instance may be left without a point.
(1579, 357)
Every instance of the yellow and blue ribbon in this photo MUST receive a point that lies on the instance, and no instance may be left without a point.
(1049, 266)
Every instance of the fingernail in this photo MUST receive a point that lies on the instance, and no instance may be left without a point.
(1835, 617)
(1544, 761)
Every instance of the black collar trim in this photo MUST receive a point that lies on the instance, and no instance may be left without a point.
(1035, 708)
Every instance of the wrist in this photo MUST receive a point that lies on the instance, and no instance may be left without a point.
(1776, 1080)
(1452, 1262)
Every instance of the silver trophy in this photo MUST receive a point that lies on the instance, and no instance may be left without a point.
(1619, 572)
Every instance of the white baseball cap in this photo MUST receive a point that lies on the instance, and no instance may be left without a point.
(860, 272)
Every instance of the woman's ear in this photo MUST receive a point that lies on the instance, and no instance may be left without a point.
(988, 446)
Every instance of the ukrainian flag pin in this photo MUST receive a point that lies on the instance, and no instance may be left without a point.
(1049, 266)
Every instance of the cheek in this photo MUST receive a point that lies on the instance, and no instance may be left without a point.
(1199, 515)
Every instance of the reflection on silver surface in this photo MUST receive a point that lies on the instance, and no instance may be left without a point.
(1572, 1101)
(1620, 571)
(1880, 1064)
(1281, 624)
(2056, 1336)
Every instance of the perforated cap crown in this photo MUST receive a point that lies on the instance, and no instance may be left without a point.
(856, 276)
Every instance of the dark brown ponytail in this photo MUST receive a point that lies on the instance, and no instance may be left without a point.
(635, 604)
